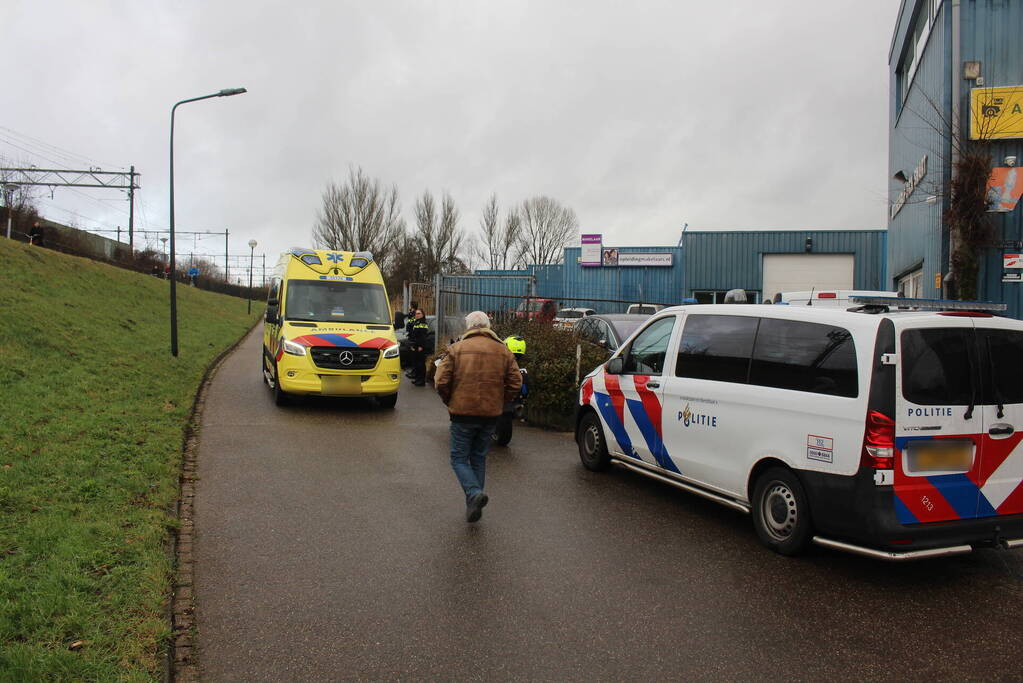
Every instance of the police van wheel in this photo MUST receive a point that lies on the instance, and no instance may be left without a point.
(781, 513)
(280, 397)
(387, 401)
(592, 447)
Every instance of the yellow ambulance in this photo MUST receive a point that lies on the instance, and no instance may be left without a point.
(328, 329)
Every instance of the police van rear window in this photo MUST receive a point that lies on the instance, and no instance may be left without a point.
(1004, 365)
(938, 367)
(960, 365)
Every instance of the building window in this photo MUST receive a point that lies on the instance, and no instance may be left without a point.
(912, 285)
(718, 296)
(916, 41)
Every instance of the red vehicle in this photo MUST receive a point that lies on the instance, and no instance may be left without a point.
(543, 310)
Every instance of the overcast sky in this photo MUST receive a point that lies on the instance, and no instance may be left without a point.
(640, 116)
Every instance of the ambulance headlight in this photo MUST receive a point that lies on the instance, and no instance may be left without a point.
(293, 348)
(392, 351)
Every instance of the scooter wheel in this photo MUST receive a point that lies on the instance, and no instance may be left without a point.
(503, 432)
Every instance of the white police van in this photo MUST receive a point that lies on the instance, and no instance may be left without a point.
(876, 430)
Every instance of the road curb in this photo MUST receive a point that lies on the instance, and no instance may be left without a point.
(182, 665)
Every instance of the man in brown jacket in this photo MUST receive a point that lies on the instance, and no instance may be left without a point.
(476, 378)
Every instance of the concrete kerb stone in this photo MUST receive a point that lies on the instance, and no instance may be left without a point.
(181, 661)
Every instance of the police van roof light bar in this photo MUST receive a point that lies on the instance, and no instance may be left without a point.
(927, 304)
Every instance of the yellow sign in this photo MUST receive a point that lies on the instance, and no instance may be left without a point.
(996, 113)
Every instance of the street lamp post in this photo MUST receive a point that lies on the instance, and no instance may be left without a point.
(252, 248)
(173, 292)
(9, 189)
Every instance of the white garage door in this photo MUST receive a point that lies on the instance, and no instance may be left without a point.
(803, 272)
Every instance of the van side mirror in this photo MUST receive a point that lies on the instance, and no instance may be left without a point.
(614, 366)
(273, 302)
(271, 315)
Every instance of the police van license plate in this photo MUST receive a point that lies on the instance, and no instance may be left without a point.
(337, 385)
(939, 455)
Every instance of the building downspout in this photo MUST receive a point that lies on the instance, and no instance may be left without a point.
(955, 135)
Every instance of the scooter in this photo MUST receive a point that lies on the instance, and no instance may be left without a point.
(512, 411)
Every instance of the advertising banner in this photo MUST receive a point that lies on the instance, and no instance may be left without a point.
(644, 259)
(1004, 188)
(590, 252)
(996, 113)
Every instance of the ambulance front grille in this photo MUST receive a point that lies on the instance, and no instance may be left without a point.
(333, 357)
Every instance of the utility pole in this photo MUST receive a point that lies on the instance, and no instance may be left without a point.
(131, 212)
(264, 269)
(227, 259)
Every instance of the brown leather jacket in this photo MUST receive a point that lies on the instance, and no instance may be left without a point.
(478, 376)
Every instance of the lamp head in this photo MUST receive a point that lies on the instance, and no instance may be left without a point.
(227, 92)
(252, 244)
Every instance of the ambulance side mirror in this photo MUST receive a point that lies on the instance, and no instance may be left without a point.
(614, 366)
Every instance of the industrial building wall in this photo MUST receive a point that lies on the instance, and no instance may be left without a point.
(917, 239)
(719, 261)
(636, 284)
(991, 35)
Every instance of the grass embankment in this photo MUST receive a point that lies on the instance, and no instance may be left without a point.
(92, 409)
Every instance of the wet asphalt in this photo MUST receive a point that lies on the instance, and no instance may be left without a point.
(331, 544)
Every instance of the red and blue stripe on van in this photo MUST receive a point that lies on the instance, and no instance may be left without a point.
(994, 485)
(644, 409)
(341, 340)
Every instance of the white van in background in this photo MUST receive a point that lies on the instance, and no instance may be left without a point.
(884, 432)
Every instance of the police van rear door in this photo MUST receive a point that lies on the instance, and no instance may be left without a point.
(940, 418)
(1000, 472)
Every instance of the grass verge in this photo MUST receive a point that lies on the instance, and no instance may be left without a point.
(92, 411)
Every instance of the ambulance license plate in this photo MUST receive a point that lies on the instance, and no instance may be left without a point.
(939, 455)
(340, 385)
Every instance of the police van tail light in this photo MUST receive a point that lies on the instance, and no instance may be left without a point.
(879, 442)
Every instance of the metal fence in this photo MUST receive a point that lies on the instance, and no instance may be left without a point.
(458, 295)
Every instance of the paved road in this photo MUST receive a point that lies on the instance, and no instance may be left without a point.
(331, 544)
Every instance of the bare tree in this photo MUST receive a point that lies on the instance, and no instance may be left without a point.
(546, 228)
(439, 239)
(18, 202)
(498, 248)
(360, 215)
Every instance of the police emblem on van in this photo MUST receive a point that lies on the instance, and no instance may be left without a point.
(688, 418)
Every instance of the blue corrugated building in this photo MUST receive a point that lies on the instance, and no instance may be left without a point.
(704, 267)
(942, 50)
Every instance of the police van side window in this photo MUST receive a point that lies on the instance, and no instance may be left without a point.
(938, 366)
(803, 356)
(717, 347)
(648, 350)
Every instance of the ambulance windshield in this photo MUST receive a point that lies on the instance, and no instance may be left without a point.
(348, 302)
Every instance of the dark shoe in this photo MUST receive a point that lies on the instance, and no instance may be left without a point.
(474, 509)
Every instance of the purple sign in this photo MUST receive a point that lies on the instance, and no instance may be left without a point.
(590, 252)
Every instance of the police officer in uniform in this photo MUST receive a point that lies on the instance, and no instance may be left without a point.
(418, 337)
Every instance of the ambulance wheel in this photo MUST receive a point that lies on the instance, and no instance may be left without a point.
(281, 398)
(387, 401)
(592, 447)
(781, 512)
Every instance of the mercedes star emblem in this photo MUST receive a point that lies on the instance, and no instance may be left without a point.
(346, 357)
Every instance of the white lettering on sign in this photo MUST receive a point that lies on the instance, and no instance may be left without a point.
(914, 180)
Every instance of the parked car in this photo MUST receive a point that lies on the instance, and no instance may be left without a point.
(537, 309)
(643, 309)
(568, 317)
(609, 331)
(879, 431)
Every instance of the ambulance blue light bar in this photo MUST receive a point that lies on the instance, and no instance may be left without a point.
(927, 304)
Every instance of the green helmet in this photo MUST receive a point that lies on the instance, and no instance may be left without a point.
(516, 344)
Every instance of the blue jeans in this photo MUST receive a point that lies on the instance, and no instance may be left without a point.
(469, 445)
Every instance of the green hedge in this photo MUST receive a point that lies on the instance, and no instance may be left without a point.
(550, 360)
